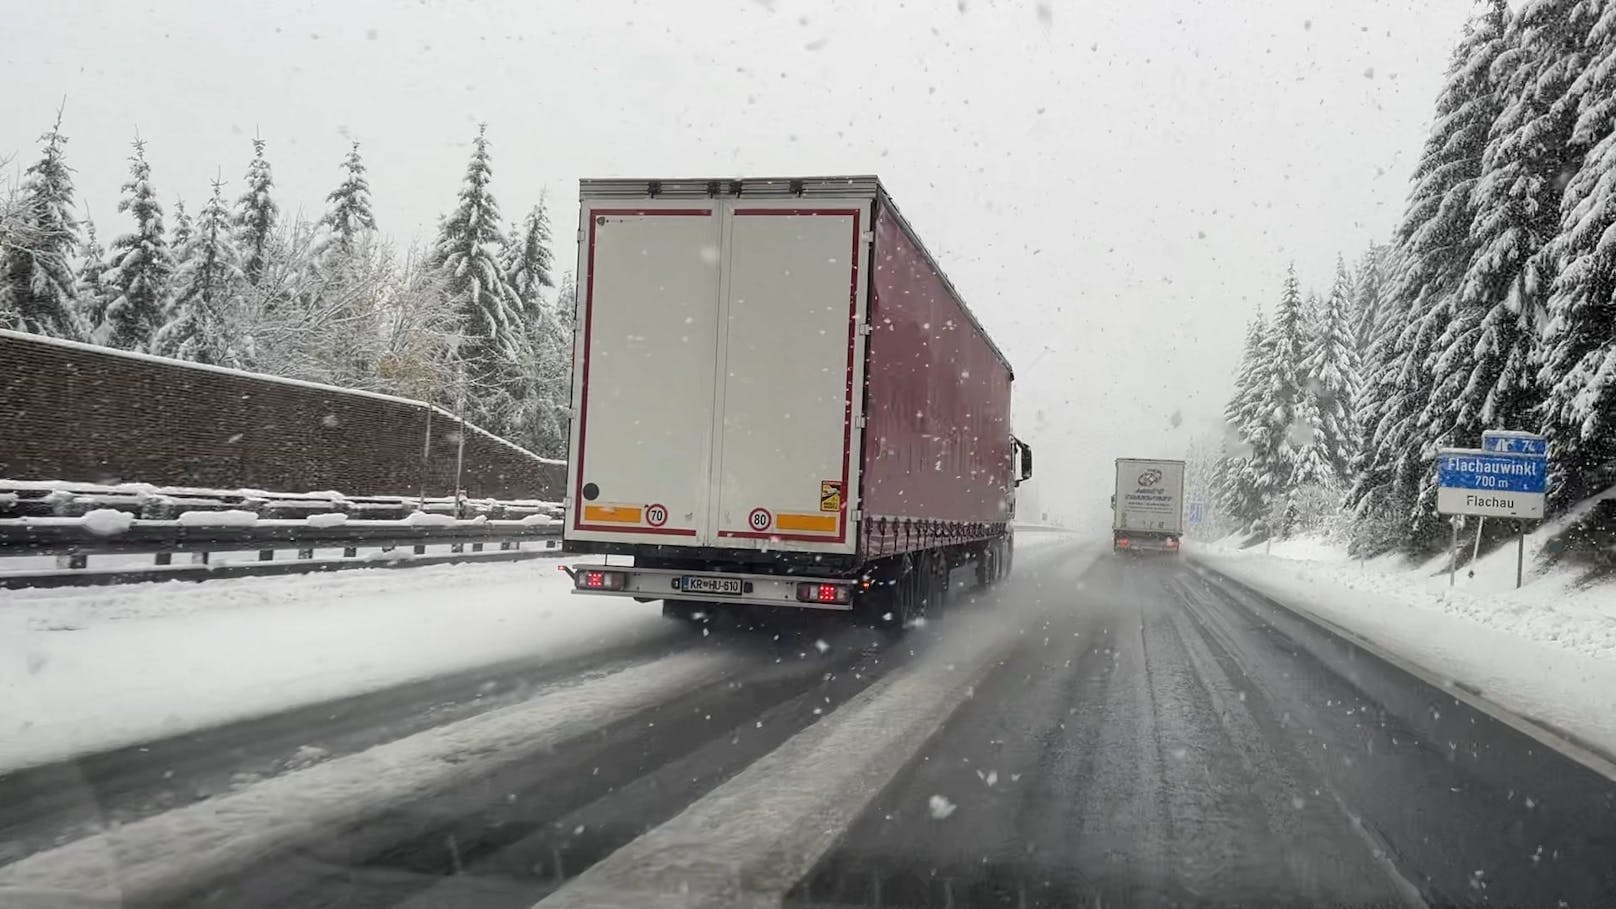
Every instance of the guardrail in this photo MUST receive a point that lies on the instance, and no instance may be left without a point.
(54, 552)
(62, 498)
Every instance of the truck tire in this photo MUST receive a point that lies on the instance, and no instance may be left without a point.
(885, 603)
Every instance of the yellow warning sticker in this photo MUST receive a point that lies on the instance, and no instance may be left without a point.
(830, 495)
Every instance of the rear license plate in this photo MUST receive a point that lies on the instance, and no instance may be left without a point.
(728, 587)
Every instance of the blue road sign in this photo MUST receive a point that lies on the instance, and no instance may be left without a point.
(1197, 512)
(1503, 441)
(1492, 472)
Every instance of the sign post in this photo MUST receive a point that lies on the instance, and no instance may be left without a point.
(1506, 477)
(1520, 552)
(1453, 550)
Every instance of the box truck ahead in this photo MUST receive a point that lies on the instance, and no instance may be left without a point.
(780, 400)
(1148, 507)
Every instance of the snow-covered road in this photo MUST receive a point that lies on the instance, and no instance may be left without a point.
(86, 670)
(1058, 736)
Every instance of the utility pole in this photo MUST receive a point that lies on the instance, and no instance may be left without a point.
(460, 448)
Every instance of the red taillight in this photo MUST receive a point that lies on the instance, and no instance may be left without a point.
(1172, 542)
(590, 579)
(1122, 542)
(811, 592)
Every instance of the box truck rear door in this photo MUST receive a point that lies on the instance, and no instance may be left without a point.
(642, 447)
(790, 389)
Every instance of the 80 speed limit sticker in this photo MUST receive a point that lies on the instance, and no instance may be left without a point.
(760, 519)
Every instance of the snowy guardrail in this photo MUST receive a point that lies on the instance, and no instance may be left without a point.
(57, 551)
(65, 498)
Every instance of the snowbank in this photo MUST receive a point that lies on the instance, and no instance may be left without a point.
(83, 670)
(106, 522)
(1547, 651)
(228, 518)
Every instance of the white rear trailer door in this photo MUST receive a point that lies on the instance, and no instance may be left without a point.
(719, 373)
(790, 394)
(641, 453)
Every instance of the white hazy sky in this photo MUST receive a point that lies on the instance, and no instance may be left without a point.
(1114, 185)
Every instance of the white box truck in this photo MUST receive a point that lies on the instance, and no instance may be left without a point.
(1147, 511)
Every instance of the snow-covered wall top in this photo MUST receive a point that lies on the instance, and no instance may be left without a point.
(79, 412)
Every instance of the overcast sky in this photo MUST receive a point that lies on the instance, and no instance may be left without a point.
(1114, 185)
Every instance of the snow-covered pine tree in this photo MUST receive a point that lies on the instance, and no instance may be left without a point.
(348, 218)
(1379, 515)
(529, 261)
(90, 286)
(1238, 493)
(37, 286)
(1371, 280)
(541, 395)
(1432, 249)
(1333, 381)
(179, 238)
(467, 253)
(1279, 435)
(1482, 368)
(256, 214)
(141, 262)
(1579, 338)
(206, 285)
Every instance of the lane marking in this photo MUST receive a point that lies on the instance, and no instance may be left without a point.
(1544, 736)
(165, 857)
(751, 840)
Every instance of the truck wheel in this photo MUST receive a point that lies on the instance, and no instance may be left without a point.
(884, 604)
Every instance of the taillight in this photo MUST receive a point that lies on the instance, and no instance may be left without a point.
(1122, 542)
(1172, 542)
(813, 592)
(590, 579)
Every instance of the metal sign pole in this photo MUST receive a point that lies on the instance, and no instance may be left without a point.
(1520, 551)
(1453, 553)
(1475, 551)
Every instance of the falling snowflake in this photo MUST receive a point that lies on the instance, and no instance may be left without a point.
(940, 807)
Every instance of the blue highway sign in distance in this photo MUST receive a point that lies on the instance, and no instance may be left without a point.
(1492, 472)
(1500, 441)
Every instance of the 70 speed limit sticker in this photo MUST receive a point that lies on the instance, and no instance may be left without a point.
(656, 515)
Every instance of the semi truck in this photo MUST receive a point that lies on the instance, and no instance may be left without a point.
(1148, 506)
(780, 400)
